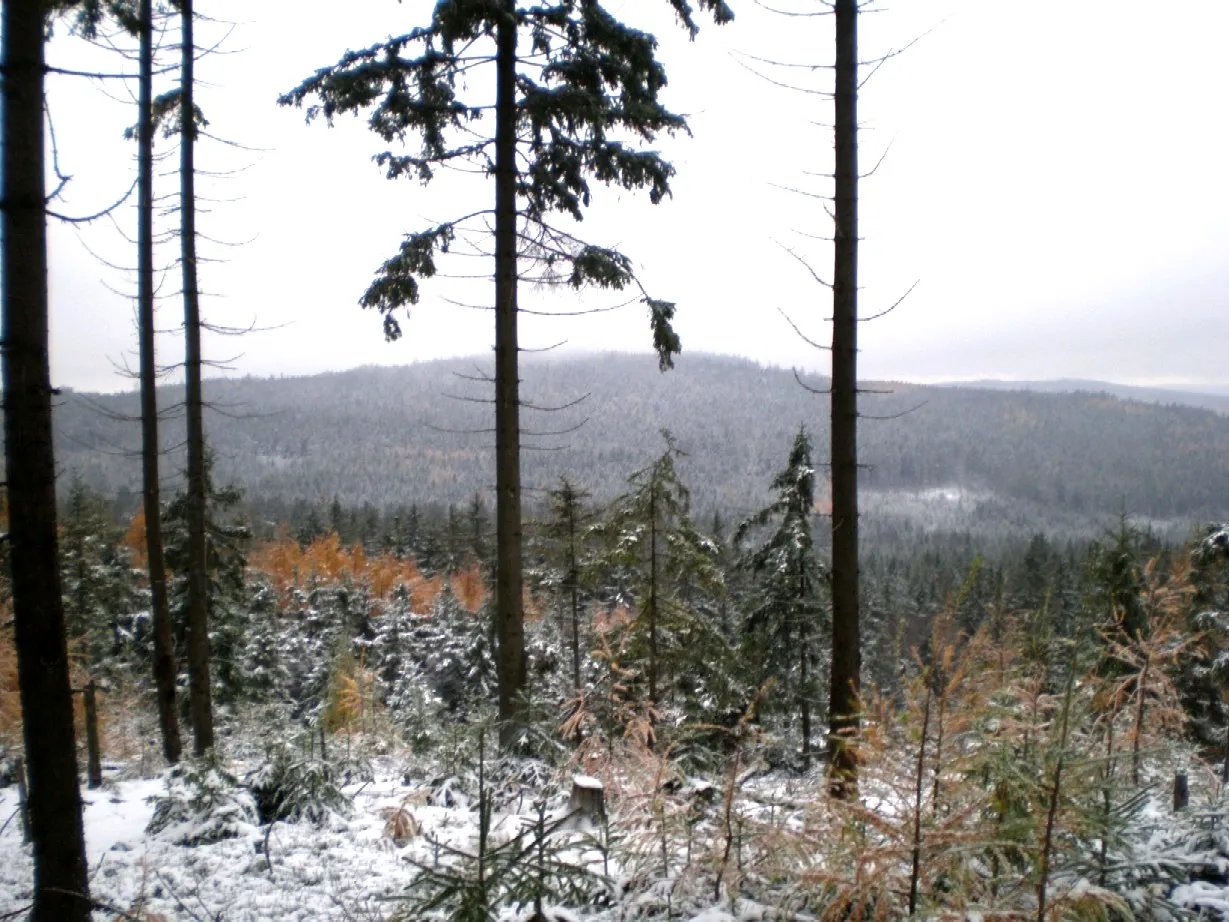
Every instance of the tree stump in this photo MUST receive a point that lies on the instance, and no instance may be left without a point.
(588, 798)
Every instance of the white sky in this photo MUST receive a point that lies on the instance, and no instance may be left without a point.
(1056, 181)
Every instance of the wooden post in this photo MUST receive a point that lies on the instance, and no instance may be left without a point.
(1182, 791)
(94, 772)
(23, 802)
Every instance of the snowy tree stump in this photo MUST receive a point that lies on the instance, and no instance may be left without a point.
(588, 798)
(1182, 791)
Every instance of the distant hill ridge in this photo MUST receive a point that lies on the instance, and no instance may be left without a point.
(1215, 398)
(420, 434)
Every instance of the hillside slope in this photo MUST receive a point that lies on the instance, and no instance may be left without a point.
(420, 433)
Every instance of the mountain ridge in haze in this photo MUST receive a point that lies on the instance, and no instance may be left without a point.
(1213, 397)
(396, 435)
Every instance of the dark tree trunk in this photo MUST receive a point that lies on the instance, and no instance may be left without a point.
(198, 585)
(164, 642)
(93, 748)
(61, 887)
(846, 643)
(653, 596)
(804, 682)
(509, 613)
(573, 580)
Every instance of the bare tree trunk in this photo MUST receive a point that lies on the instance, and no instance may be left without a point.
(915, 871)
(509, 611)
(804, 685)
(653, 596)
(23, 799)
(164, 643)
(804, 701)
(198, 586)
(846, 642)
(61, 886)
(1055, 796)
(93, 748)
(573, 579)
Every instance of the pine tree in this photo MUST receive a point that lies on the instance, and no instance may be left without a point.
(564, 102)
(787, 614)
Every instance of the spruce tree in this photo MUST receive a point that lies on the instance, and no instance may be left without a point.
(566, 531)
(97, 578)
(198, 655)
(575, 88)
(164, 645)
(846, 679)
(664, 559)
(226, 540)
(787, 615)
(61, 883)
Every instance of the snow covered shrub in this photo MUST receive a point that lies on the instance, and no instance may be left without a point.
(203, 803)
(532, 872)
(293, 788)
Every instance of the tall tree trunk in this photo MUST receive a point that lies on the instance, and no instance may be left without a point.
(61, 886)
(164, 643)
(846, 642)
(509, 612)
(198, 585)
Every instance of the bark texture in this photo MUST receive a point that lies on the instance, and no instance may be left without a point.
(61, 888)
(509, 606)
(199, 689)
(164, 643)
(846, 640)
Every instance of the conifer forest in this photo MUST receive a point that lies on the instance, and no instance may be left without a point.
(582, 636)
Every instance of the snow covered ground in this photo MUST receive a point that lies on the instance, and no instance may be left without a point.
(346, 870)
(357, 867)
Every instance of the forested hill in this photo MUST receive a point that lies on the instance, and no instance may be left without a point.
(420, 434)
(1217, 400)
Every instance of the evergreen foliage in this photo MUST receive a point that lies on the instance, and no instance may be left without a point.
(786, 618)
(586, 85)
(203, 803)
(226, 540)
(101, 599)
(660, 565)
(293, 788)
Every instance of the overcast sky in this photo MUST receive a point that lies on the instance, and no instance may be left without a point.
(1055, 181)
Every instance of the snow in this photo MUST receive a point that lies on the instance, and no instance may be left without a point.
(342, 871)
(350, 868)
